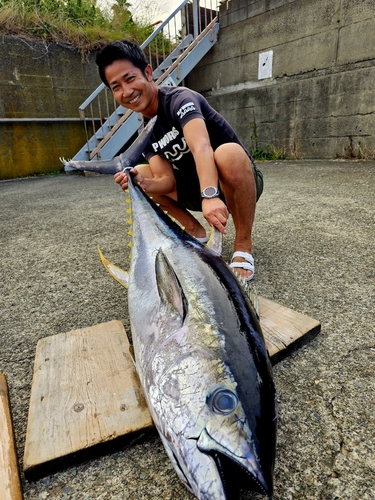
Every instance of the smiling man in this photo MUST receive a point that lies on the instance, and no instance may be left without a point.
(195, 159)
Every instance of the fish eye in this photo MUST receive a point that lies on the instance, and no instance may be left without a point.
(223, 401)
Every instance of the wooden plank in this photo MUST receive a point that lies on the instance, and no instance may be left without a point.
(86, 393)
(10, 484)
(84, 398)
(284, 330)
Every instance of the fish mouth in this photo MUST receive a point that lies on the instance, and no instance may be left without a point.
(235, 477)
(237, 465)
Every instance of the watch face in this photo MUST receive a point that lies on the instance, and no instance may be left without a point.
(210, 191)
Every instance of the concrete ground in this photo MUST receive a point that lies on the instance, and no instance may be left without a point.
(314, 240)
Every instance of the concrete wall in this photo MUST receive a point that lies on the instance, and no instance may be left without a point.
(320, 100)
(41, 87)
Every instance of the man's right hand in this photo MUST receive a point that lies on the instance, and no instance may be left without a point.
(122, 179)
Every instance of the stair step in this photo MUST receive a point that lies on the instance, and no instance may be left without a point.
(118, 140)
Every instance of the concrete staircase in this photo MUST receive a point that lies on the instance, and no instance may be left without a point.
(175, 47)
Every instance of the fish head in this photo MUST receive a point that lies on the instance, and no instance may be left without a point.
(233, 443)
(216, 444)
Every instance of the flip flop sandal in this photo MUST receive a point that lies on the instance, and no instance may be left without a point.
(248, 265)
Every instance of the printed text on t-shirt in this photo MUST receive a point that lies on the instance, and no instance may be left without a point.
(189, 106)
(168, 137)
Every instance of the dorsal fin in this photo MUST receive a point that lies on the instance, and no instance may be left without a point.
(170, 292)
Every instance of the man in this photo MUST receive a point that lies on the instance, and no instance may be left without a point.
(195, 159)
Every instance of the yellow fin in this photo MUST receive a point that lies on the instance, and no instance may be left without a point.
(215, 242)
(130, 221)
(251, 293)
(128, 200)
(129, 210)
(130, 232)
(131, 351)
(116, 272)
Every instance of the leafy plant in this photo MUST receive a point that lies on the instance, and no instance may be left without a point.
(358, 151)
(80, 24)
(271, 153)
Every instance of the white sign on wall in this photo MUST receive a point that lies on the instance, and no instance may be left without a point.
(265, 65)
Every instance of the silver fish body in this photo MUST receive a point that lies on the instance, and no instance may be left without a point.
(201, 359)
(199, 350)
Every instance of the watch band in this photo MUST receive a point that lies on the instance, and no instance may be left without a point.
(210, 192)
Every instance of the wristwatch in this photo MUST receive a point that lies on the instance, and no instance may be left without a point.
(210, 192)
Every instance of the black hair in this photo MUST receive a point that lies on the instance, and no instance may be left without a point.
(115, 51)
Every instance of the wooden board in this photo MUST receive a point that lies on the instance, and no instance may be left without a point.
(10, 485)
(285, 330)
(85, 398)
(86, 394)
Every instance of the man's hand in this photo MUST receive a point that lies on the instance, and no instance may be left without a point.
(122, 179)
(215, 212)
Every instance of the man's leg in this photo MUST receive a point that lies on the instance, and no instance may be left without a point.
(238, 185)
(168, 203)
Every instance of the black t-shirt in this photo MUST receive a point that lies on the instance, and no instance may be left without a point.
(177, 106)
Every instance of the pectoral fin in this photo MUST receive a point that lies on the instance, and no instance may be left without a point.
(170, 292)
(116, 272)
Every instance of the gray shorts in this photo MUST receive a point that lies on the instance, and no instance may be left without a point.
(188, 189)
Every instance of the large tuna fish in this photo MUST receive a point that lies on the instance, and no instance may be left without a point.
(200, 356)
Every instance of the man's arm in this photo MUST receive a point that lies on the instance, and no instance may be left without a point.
(155, 178)
(196, 136)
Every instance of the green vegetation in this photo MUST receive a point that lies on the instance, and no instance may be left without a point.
(358, 151)
(61, 171)
(79, 24)
(271, 152)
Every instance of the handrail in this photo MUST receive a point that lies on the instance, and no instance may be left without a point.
(165, 22)
(44, 119)
(158, 82)
(143, 46)
(92, 96)
(192, 21)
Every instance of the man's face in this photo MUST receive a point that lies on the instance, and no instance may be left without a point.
(131, 88)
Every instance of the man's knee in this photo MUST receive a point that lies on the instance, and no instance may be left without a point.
(145, 170)
(230, 153)
(233, 163)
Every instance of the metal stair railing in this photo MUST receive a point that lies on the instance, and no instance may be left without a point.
(174, 48)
